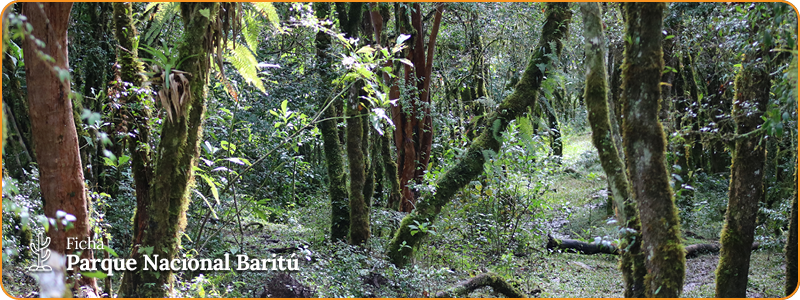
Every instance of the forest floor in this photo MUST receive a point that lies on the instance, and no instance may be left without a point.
(576, 209)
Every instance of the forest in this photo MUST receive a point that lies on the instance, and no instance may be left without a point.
(377, 149)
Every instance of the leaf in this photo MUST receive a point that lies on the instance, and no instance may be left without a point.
(146, 250)
(366, 49)
(402, 38)
(205, 12)
(235, 160)
(213, 212)
(123, 159)
(267, 10)
(110, 251)
(245, 63)
(251, 30)
(407, 62)
(95, 274)
(213, 186)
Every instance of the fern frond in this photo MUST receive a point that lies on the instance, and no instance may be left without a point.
(251, 30)
(267, 10)
(245, 63)
(165, 12)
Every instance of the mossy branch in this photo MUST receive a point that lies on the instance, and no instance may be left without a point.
(555, 28)
(493, 280)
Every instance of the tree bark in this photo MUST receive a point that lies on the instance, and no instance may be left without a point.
(632, 260)
(747, 175)
(645, 144)
(390, 170)
(177, 154)
(389, 165)
(413, 123)
(53, 125)
(359, 211)
(137, 114)
(401, 247)
(337, 184)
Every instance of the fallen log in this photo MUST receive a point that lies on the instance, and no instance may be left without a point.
(575, 246)
(697, 249)
(493, 280)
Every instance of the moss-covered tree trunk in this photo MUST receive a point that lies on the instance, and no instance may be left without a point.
(631, 260)
(377, 16)
(746, 188)
(401, 247)
(390, 170)
(367, 142)
(176, 155)
(350, 17)
(645, 145)
(337, 184)
(53, 125)
(137, 115)
(359, 211)
(555, 129)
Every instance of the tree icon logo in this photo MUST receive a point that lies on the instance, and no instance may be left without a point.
(42, 254)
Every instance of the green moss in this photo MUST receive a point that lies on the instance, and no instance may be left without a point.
(359, 211)
(337, 184)
(746, 189)
(390, 167)
(645, 146)
(177, 153)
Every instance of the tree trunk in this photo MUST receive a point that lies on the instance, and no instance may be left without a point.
(177, 153)
(367, 142)
(644, 143)
(137, 114)
(401, 247)
(53, 126)
(390, 169)
(413, 123)
(377, 16)
(555, 130)
(747, 175)
(359, 211)
(337, 184)
(350, 16)
(632, 260)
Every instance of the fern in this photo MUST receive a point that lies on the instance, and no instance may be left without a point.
(165, 12)
(245, 63)
(251, 30)
(267, 10)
